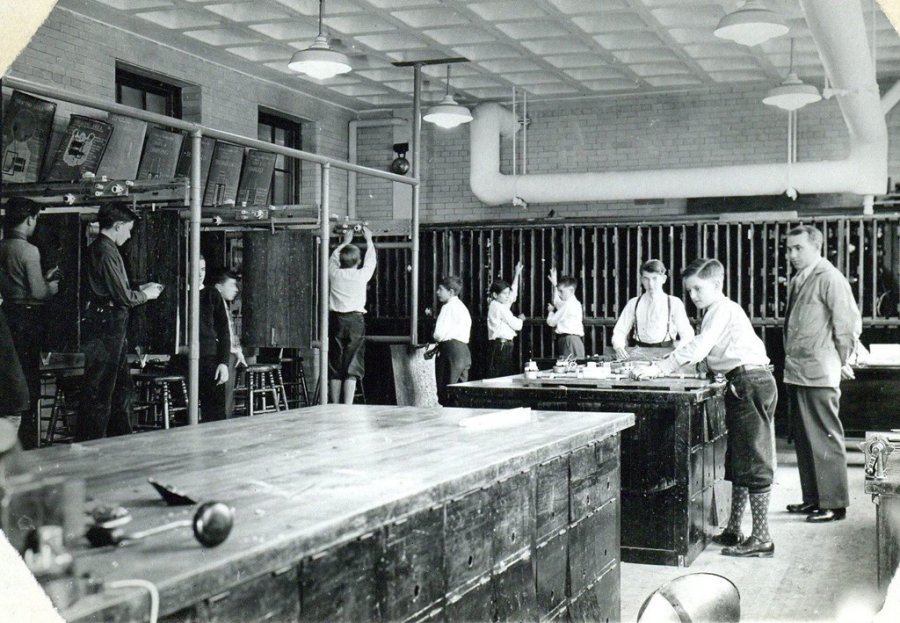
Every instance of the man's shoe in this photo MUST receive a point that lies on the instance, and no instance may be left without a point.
(727, 537)
(827, 514)
(803, 507)
(752, 547)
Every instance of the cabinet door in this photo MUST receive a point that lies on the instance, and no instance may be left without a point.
(279, 299)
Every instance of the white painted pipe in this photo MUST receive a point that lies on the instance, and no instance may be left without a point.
(838, 29)
(352, 128)
(890, 98)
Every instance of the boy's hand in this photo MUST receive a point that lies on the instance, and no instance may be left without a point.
(367, 233)
(221, 374)
(847, 373)
(646, 373)
(53, 286)
(550, 308)
(552, 276)
(348, 236)
(519, 267)
(621, 353)
(522, 317)
(152, 290)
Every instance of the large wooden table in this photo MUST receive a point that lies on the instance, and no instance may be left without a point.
(673, 459)
(364, 513)
(871, 401)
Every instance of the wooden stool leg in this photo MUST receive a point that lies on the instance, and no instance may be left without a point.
(251, 377)
(303, 386)
(184, 395)
(273, 390)
(165, 402)
(54, 414)
(279, 379)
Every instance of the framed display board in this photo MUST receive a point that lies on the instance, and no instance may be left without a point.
(81, 149)
(256, 178)
(27, 126)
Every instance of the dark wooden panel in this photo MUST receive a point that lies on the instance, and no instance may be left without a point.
(600, 602)
(476, 604)
(551, 565)
(593, 544)
(709, 464)
(278, 301)
(58, 236)
(412, 563)
(720, 448)
(552, 497)
(153, 254)
(590, 473)
(514, 517)
(514, 592)
(468, 526)
(696, 473)
(340, 584)
(271, 597)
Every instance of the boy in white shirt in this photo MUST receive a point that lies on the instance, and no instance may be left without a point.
(346, 324)
(730, 346)
(502, 325)
(566, 317)
(653, 319)
(454, 325)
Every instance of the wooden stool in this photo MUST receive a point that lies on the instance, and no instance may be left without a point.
(62, 410)
(156, 392)
(261, 383)
(296, 387)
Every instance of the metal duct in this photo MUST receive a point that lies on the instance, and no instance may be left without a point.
(838, 29)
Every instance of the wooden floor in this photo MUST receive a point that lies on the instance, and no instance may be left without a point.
(817, 569)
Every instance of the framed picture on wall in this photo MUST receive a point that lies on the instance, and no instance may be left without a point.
(27, 127)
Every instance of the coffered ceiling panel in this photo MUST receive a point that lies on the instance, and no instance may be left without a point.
(546, 48)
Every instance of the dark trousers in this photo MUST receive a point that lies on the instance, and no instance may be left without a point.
(500, 358)
(27, 330)
(346, 346)
(451, 366)
(216, 401)
(13, 387)
(108, 391)
(750, 402)
(569, 344)
(819, 442)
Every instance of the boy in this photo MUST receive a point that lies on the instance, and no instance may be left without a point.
(220, 349)
(107, 392)
(26, 289)
(502, 325)
(731, 347)
(565, 316)
(346, 324)
(454, 324)
(653, 319)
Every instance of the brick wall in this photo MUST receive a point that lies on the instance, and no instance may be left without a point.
(697, 129)
(79, 54)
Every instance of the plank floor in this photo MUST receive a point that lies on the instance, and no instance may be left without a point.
(817, 569)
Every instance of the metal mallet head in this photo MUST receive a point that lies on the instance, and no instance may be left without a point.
(212, 523)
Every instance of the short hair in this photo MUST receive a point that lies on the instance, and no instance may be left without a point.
(704, 268)
(815, 235)
(349, 256)
(498, 286)
(222, 275)
(451, 283)
(112, 213)
(566, 282)
(653, 266)
(17, 209)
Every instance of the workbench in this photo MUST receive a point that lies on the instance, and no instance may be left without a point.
(673, 460)
(363, 513)
(871, 401)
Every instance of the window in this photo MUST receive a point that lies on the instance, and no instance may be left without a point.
(147, 93)
(273, 128)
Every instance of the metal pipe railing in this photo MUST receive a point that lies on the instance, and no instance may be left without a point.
(194, 304)
(417, 159)
(324, 254)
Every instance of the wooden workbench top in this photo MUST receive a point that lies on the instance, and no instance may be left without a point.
(546, 379)
(299, 481)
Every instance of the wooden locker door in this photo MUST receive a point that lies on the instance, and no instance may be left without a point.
(278, 299)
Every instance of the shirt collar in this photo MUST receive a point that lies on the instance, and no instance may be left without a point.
(16, 234)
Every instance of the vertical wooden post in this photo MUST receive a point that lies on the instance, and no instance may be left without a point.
(194, 303)
(324, 253)
(417, 172)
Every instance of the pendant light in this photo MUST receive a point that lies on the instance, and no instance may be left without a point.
(792, 93)
(319, 60)
(448, 114)
(751, 24)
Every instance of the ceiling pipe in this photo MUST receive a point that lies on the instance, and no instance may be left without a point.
(838, 29)
(352, 128)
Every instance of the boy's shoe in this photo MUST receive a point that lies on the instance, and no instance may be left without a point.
(752, 547)
(727, 537)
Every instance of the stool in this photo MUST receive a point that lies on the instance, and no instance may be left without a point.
(296, 388)
(261, 384)
(62, 387)
(279, 385)
(156, 392)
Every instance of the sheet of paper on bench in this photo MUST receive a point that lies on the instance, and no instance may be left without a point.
(884, 355)
(497, 419)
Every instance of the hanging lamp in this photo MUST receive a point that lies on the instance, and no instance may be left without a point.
(792, 93)
(319, 60)
(751, 24)
(448, 114)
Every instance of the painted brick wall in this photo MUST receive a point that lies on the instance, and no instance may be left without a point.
(79, 54)
(718, 127)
